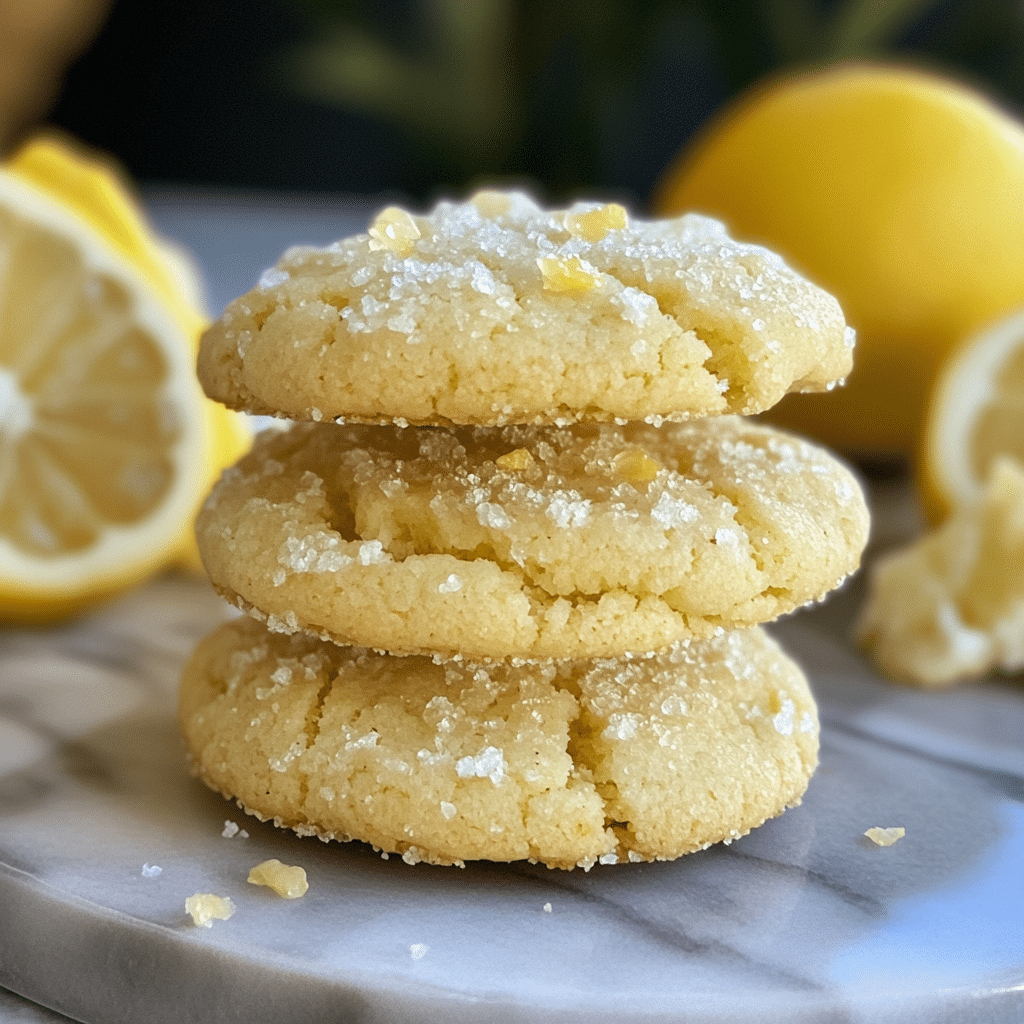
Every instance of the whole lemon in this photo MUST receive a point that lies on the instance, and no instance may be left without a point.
(902, 193)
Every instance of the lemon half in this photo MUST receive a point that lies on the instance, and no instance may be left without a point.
(107, 444)
(976, 415)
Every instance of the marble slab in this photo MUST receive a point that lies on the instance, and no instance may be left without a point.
(802, 920)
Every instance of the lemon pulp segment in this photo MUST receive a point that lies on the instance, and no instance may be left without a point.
(1000, 426)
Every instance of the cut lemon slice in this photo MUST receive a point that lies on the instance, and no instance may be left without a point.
(104, 434)
(975, 415)
(90, 186)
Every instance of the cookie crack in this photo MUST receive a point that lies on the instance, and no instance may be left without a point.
(311, 730)
(583, 749)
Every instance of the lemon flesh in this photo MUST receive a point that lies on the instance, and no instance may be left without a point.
(975, 416)
(999, 428)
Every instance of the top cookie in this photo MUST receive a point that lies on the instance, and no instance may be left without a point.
(494, 311)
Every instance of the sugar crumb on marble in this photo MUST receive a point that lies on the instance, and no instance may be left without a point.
(885, 836)
(204, 908)
(287, 880)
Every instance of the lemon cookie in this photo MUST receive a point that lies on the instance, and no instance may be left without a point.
(495, 311)
(529, 542)
(568, 764)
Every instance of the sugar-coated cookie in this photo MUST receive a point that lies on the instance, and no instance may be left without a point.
(567, 764)
(494, 311)
(529, 542)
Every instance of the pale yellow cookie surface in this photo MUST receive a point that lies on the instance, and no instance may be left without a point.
(530, 542)
(494, 311)
(568, 764)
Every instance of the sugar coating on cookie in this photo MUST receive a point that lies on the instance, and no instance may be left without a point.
(563, 763)
(530, 542)
(495, 311)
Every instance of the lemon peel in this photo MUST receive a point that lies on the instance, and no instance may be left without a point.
(899, 191)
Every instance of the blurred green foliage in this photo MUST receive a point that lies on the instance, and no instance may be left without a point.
(547, 88)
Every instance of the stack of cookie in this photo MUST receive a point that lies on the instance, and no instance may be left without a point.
(505, 568)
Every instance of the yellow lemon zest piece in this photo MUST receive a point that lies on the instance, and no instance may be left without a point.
(567, 275)
(593, 225)
(394, 229)
(636, 467)
(515, 461)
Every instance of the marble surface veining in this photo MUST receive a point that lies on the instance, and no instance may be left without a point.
(802, 920)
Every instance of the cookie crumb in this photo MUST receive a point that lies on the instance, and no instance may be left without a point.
(151, 870)
(546, 908)
(204, 908)
(947, 607)
(885, 836)
(418, 950)
(286, 880)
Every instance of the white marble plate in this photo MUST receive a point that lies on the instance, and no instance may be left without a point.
(803, 920)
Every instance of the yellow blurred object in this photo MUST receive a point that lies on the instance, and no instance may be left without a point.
(900, 192)
(976, 415)
(107, 445)
(950, 605)
(90, 186)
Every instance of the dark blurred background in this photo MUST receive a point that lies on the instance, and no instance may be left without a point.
(421, 97)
